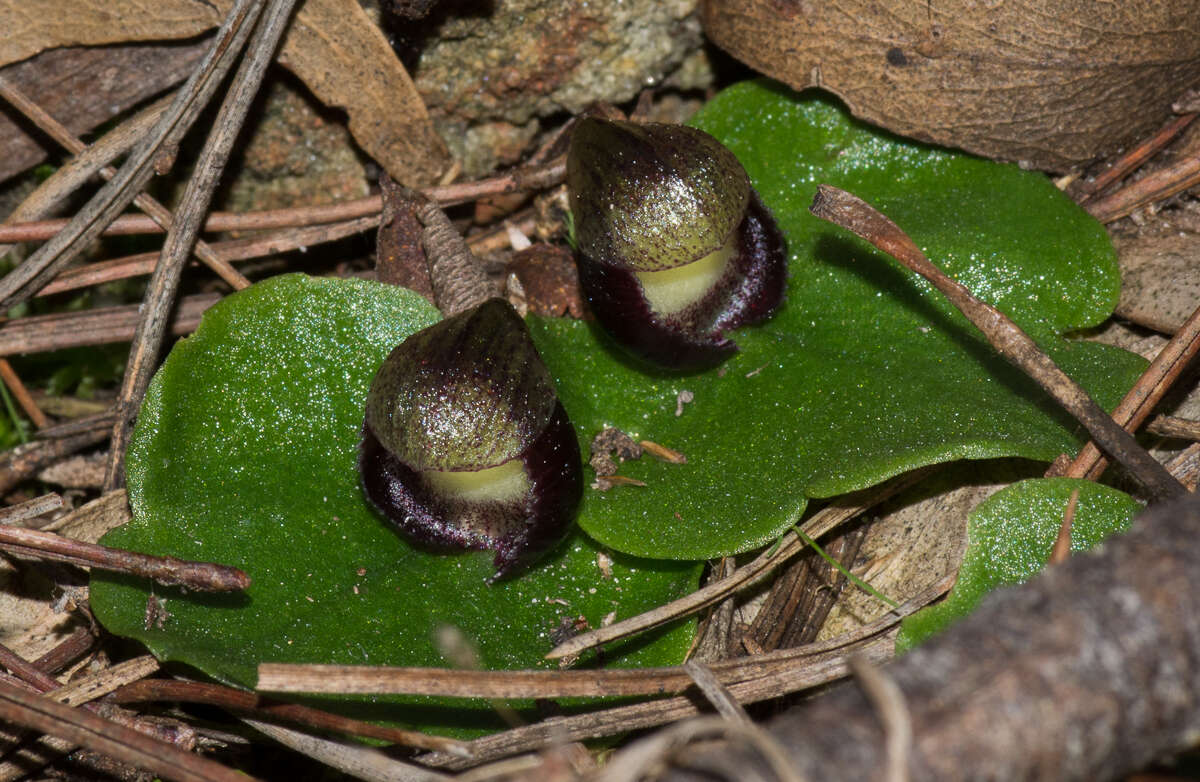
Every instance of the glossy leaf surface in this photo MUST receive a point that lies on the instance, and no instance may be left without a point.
(866, 372)
(244, 451)
(1009, 537)
(245, 454)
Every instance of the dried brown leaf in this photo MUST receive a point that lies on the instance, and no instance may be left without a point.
(30, 28)
(399, 256)
(1049, 82)
(346, 61)
(333, 46)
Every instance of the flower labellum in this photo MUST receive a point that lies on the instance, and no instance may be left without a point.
(465, 444)
(674, 246)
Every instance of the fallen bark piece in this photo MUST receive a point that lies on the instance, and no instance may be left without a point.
(1088, 672)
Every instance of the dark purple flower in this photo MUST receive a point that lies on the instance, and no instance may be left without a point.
(465, 444)
(674, 246)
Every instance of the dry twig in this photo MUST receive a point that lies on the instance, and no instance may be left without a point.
(255, 706)
(21, 394)
(837, 512)
(233, 250)
(358, 761)
(512, 181)
(25, 460)
(1138, 155)
(1164, 183)
(857, 216)
(716, 693)
(181, 237)
(98, 326)
(83, 166)
(79, 727)
(1147, 392)
(157, 212)
(22, 282)
(201, 576)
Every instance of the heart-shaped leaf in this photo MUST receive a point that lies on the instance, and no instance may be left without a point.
(245, 454)
(245, 447)
(866, 372)
(1009, 537)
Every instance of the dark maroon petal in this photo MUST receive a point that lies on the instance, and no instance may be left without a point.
(749, 291)
(555, 470)
(519, 532)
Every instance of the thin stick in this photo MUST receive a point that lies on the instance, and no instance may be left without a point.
(100, 422)
(358, 761)
(26, 671)
(445, 682)
(1172, 426)
(22, 282)
(854, 214)
(30, 509)
(21, 462)
(515, 180)
(83, 166)
(21, 394)
(1062, 543)
(96, 685)
(1165, 182)
(148, 690)
(164, 283)
(144, 201)
(720, 697)
(459, 683)
(1147, 392)
(820, 665)
(29, 710)
(98, 326)
(78, 693)
(201, 576)
(1138, 155)
(622, 719)
(827, 518)
(887, 698)
(71, 648)
(252, 247)
(233, 250)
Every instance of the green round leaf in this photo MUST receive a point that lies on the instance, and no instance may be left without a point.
(1009, 537)
(866, 372)
(244, 454)
(244, 451)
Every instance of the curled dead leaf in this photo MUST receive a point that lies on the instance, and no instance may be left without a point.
(1051, 83)
(550, 281)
